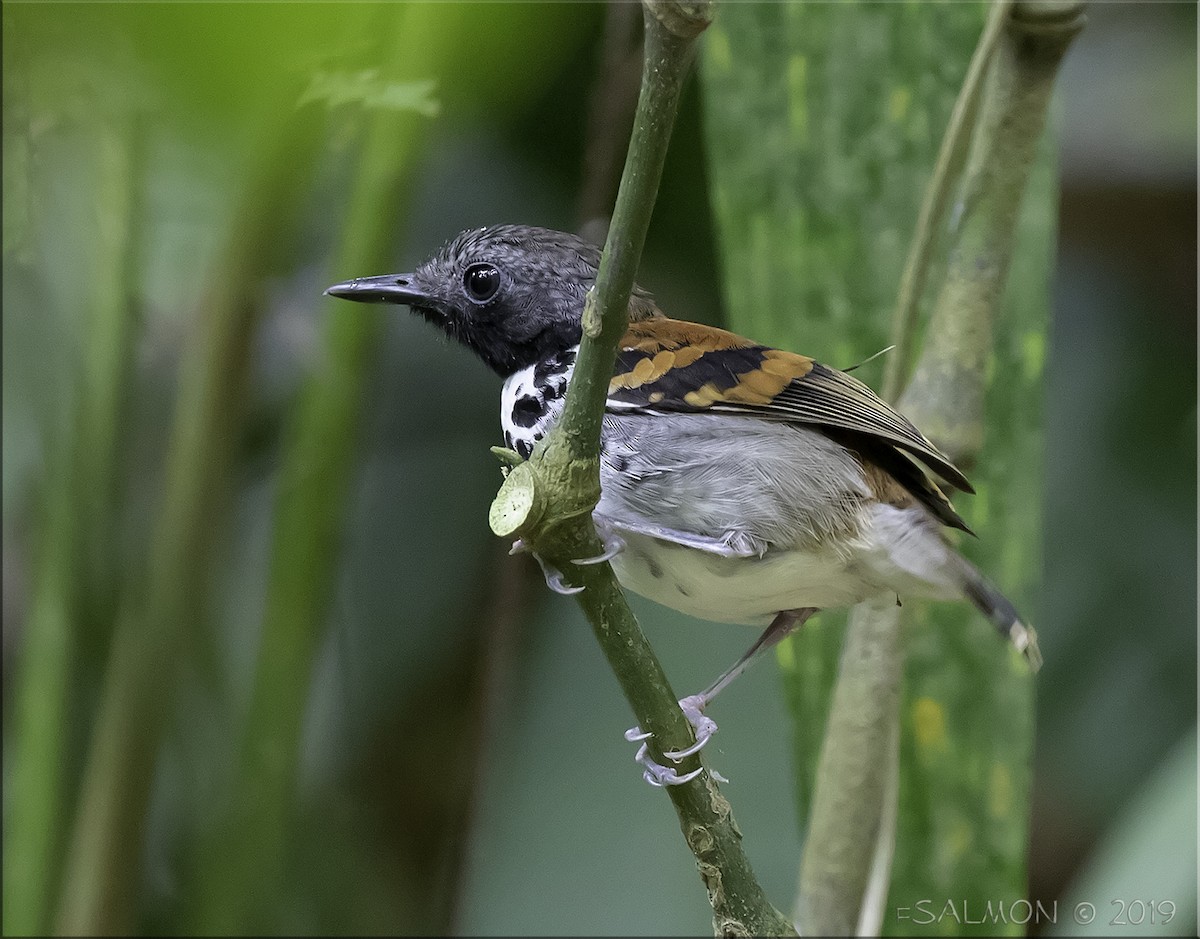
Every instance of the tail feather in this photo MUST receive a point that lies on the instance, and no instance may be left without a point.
(914, 559)
(999, 609)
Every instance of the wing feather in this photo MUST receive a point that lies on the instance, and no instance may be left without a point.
(832, 398)
(671, 365)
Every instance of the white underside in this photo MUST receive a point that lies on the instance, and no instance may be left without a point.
(734, 589)
(891, 556)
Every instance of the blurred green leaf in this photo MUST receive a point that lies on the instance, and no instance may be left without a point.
(967, 723)
(1141, 878)
(102, 870)
(367, 88)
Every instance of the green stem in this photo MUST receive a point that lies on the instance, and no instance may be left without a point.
(667, 57)
(548, 501)
(35, 794)
(933, 208)
(851, 785)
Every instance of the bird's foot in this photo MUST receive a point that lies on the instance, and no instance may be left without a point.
(613, 545)
(554, 577)
(693, 709)
(658, 775)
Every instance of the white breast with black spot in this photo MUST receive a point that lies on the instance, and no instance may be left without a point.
(532, 400)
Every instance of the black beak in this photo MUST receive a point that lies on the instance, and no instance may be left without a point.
(386, 288)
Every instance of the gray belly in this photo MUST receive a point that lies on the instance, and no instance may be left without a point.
(742, 485)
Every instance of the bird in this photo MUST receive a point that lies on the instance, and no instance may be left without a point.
(740, 483)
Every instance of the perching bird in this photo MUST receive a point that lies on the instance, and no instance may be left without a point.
(740, 483)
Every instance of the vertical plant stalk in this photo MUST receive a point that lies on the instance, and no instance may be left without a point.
(35, 796)
(852, 773)
(549, 499)
(946, 399)
(852, 782)
(874, 904)
(946, 171)
(77, 519)
(99, 882)
(241, 867)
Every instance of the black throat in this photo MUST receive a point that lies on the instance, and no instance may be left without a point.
(507, 355)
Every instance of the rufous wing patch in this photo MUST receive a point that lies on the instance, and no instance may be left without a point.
(692, 366)
(777, 370)
(652, 335)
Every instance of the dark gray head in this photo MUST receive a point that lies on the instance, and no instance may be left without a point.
(512, 293)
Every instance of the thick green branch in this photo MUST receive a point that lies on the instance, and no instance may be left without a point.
(548, 501)
(668, 54)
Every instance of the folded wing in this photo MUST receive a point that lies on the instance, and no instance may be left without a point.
(670, 365)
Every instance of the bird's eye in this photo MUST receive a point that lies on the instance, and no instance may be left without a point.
(481, 282)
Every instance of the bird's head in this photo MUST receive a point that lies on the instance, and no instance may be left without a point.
(512, 293)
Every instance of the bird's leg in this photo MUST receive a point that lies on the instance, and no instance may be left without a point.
(783, 623)
(693, 706)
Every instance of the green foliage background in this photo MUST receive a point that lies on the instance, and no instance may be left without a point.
(246, 564)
